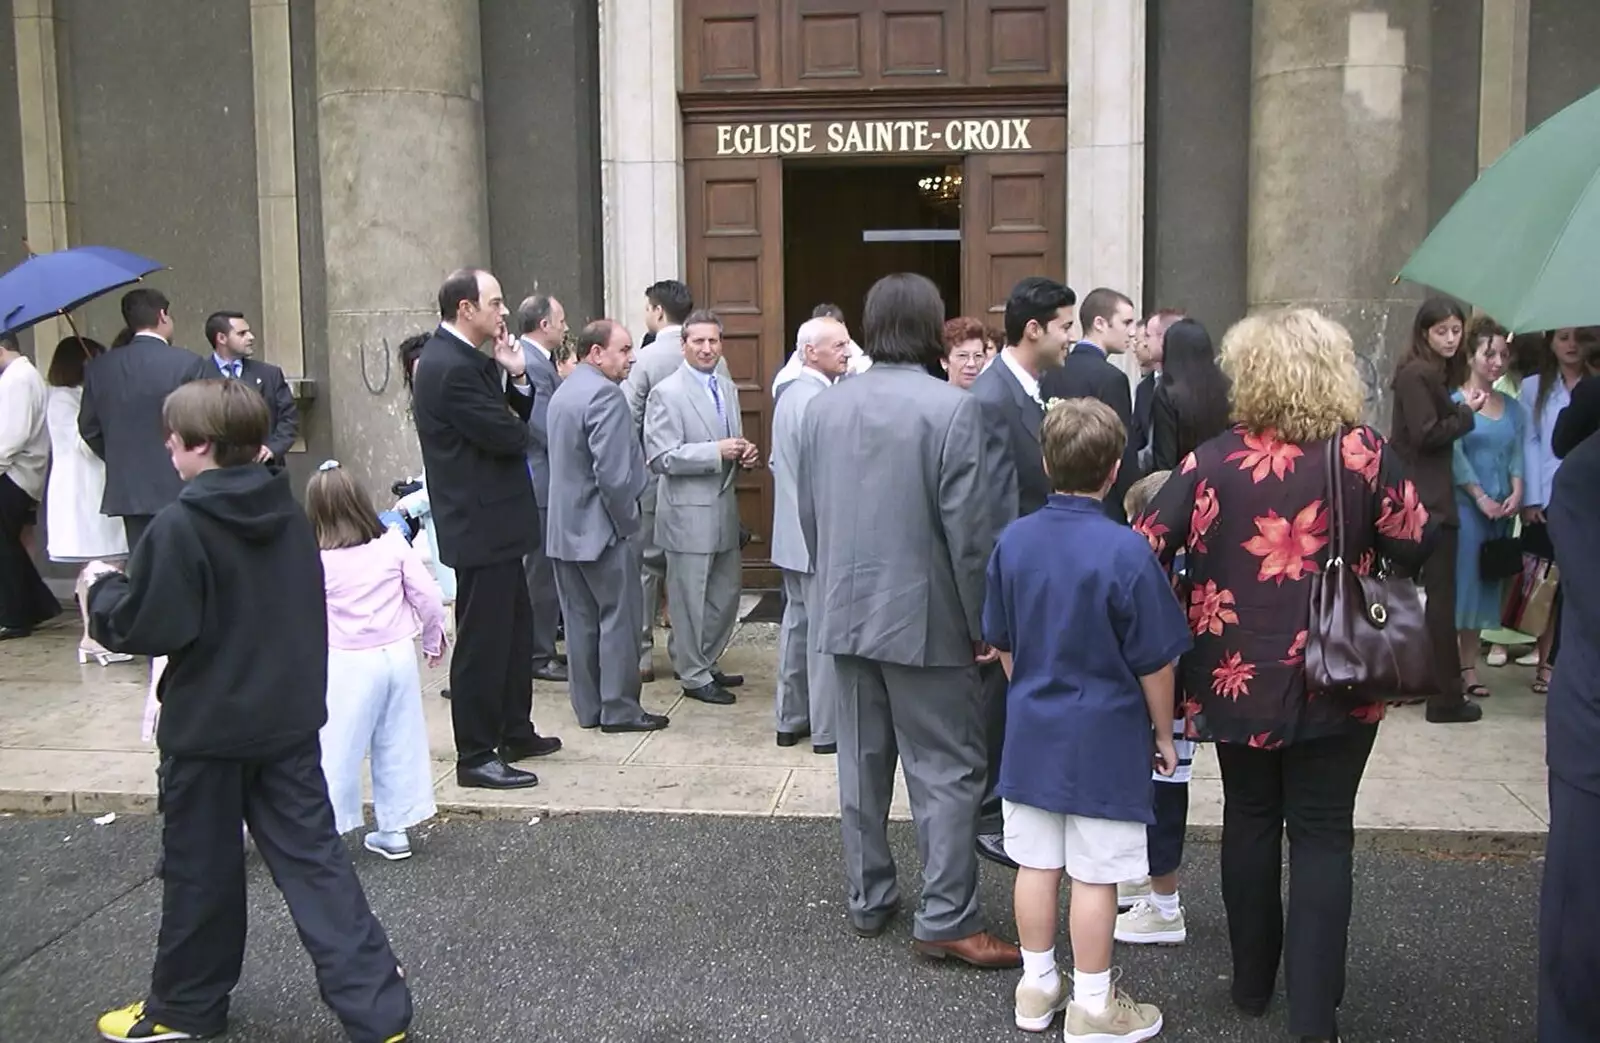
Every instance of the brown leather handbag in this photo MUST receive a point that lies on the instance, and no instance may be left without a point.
(1367, 639)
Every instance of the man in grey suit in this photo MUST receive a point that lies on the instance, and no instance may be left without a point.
(897, 597)
(805, 705)
(695, 442)
(596, 476)
(542, 323)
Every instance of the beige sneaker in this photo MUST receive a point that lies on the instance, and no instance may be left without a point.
(1144, 925)
(1132, 893)
(1123, 1021)
(1036, 1007)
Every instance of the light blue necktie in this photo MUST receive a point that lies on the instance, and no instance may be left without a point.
(231, 369)
(716, 398)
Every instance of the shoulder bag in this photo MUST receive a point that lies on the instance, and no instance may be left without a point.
(1367, 639)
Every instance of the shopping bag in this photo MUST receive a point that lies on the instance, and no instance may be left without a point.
(1530, 596)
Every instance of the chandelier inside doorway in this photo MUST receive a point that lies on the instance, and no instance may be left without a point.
(942, 191)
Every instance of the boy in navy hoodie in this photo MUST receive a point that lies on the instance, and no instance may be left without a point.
(240, 712)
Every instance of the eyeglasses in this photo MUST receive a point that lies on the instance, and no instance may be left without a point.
(968, 358)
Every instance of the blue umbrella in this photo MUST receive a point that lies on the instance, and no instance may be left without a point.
(53, 284)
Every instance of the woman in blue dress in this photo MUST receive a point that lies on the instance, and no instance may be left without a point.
(1488, 476)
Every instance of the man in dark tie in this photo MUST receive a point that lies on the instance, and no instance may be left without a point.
(1088, 372)
(1038, 326)
(233, 349)
(120, 416)
(542, 322)
(471, 412)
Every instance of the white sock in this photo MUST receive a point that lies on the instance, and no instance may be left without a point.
(1039, 968)
(1166, 905)
(1091, 991)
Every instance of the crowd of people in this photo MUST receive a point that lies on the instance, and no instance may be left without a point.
(1081, 578)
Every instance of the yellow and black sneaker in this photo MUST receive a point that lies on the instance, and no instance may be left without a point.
(129, 1025)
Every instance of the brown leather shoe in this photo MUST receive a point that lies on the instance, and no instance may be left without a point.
(980, 950)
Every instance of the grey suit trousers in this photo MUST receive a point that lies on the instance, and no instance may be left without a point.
(542, 596)
(652, 574)
(703, 604)
(599, 600)
(805, 701)
(931, 718)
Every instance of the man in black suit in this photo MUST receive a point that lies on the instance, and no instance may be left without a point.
(233, 348)
(120, 416)
(1039, 318)
(471, 412)
(542, 321)
(1108, 323)
(1147, 348)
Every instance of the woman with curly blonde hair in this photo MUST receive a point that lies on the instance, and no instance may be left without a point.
(1248, 509)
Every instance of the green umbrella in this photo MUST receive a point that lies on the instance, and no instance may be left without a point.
(1523, 243)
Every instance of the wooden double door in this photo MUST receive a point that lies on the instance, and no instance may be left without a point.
(1012, 225)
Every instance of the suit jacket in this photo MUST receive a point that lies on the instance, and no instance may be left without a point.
(268, 380)
(544, 378)
(120, 419)
(788, 542)
(1143, 397)
(474, 433)
(1013, 459)
(1423, 431)
(651, 365)
(697, 509)
(596, 467)
(1087, 373)
(891, 495)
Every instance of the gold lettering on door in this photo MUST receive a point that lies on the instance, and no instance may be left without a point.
(873, 136)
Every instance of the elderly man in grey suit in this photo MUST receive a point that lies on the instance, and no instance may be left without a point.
(805, 705)
(892, 502)
(596, 476)
(542, 323)
(694, 440)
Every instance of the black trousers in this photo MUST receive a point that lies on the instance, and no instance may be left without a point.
(1569, 908)
(25, 600)
(1164, 839)
(1311, 788)
(491, 671)
(200, 948)
(133, 525)
(992, 678)
(1438, 578)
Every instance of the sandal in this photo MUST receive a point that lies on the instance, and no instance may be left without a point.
(1475, 689)
(1541, 680)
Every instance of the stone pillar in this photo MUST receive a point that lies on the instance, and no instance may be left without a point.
(36, 24)
(276, 193)
(1339, 167)
(1503, 89)
(641, 161)
(400, 136)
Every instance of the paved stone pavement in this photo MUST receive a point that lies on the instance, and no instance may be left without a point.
(69, 741)
(679, 929)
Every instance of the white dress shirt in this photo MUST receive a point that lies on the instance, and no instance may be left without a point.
(858, 363)
(1029, 382)
(24, 439)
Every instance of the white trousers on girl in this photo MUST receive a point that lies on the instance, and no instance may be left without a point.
(375, 705)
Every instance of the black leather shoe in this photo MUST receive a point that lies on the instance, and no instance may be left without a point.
(1465, 713)
(826, 748)
(13, 633)
(787, 739)
(551, 671)
(650, 722)
(711, 693)
(993, 847)
(538, 746)
(495, 774)
(727, 680)
(875, 926)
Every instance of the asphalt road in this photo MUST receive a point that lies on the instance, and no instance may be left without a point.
(647, 929)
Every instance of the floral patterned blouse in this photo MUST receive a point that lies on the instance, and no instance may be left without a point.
(1249, 513)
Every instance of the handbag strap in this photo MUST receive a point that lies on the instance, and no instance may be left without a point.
(1336, 544)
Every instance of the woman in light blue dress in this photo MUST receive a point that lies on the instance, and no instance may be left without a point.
(1488, 476)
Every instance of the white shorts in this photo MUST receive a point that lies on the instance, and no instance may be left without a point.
(1092, 850)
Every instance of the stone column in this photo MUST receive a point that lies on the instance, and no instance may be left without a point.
(641, 159)
(400, 136)
(277, 198)
(1503, 86)
(36, 24)
(1339, 167)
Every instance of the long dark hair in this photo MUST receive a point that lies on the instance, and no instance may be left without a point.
(72, 354)
(1549, 370)
(1435, 310)
(903, 321)
(1195, 383)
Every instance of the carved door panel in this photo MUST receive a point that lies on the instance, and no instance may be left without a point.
(734, 214)
(1013, 225)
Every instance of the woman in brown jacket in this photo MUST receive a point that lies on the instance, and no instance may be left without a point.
(1425, 427)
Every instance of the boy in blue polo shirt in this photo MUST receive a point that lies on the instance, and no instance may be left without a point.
(1088, 629)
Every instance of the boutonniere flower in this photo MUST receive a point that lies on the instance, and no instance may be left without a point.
(1051, 403)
